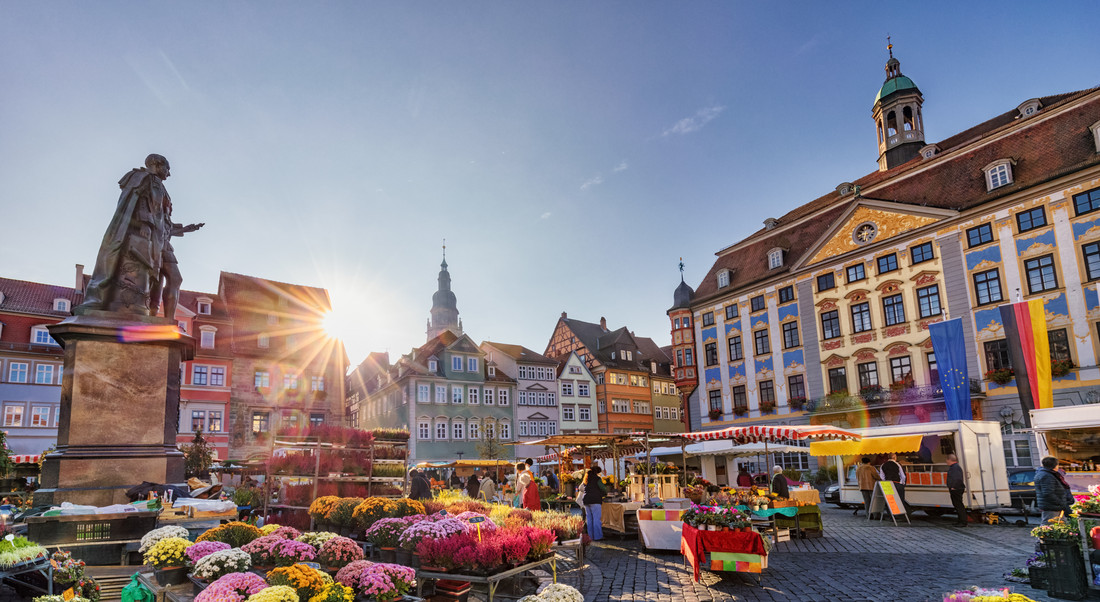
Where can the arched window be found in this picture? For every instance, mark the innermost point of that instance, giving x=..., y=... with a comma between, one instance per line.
x=458, y=429
x=891, y=123
x=474, y=433
x=424, y=428
x=907, y=119
x=441, y=428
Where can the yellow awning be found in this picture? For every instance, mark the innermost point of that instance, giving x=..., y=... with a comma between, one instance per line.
x=867, y=445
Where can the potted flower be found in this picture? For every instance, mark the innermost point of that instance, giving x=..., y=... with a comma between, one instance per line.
x=234, y=533
x=541, y=540
x=305, y=580
x=740, y=410
x=260, y=551
x=338, y=552
x=1001, y=376
x=234, y=586
x=1061, y=367
x=275, y=593
x=871, y=393
x=151, y=538
x=168, y=559
x=515, y=548
x=384, y=535
x=334, y=592
x=796, y=403
x=767, y=407
x=350, y=574
x=714, y=414
x=1088, y=504
x=316, y=539
x=203, y=549
x=402, y=577
x=221, y=563
x=490, y=556
x=289, y=552
x=341, y=515
x=437, y=555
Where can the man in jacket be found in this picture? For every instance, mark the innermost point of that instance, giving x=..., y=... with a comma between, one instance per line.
x=891, y=470
x=956, y=486
x=1052, y=493
x=867, y=476
x=419, y=488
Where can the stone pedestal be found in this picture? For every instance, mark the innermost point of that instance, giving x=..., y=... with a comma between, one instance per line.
x=119, y=408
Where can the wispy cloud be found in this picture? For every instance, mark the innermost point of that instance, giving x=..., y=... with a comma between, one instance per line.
x=596, y=181
x=694, y=123
x=545, y=215
x=622, y=166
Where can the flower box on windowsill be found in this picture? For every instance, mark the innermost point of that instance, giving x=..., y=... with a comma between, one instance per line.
x=715, y=414
x=740, y=411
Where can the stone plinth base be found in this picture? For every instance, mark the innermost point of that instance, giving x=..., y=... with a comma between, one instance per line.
x=119, y=408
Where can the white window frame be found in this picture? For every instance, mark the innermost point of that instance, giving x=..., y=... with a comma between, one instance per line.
x=775, y=258
x=441, y=394
x=502, y=397
x=43, y=374
x=522, y=428
x=204, y=306
x=458, y=429
x=582, y=390
x=492, y=370
x=41, y=336
x=433, y=366
x=551, y=399
x=316, y=383
x=196, y=370
x=472, y=397
x=206, y=336
x=541, y=398
x=723, y=278
x=424, y=429
x=264, y=378
x=567, y=413
x=442, y=425
x=290, y=382
x=471, y=364
x=505, y=430
x=456, y=394
x=60, y=304
x=584, y=413
x=36, y=413
x=423, y=393
x=567, y=388
x=521, y=399
x=473, y=429
x=13, y=415
x=456, y=363
x=487, y=396
x=998, y=174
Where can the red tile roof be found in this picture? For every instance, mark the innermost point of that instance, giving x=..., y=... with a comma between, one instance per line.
x=25, y=297
x=521, y=353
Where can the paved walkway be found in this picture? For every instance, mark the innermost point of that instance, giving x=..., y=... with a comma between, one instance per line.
x=857, y=560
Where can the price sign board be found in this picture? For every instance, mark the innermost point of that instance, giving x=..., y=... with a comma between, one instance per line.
x=886, y=498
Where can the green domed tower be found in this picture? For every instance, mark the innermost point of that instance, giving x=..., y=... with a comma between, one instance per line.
x=897, y=114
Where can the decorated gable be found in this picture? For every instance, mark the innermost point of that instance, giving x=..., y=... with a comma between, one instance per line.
x=869, y=223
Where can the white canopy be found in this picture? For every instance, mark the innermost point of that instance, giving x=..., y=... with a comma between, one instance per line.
x=725, y=447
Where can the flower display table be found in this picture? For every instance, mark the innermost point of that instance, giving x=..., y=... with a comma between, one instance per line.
x=490, y=581
x=660, y=529
x=42, y=566
x=614, y=515
x=723, y=550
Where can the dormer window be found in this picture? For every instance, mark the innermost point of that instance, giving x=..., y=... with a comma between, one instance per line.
x=998, y=173
x=1095, y=139
x=204, y=306
x=433, y=366
x=844, y=188
x=41, y=336
x=775, y=258
x=929, y=151
x=612, y=355
x=61, y=305
x=1029, y=107
x=723, y=278
x=492, y=370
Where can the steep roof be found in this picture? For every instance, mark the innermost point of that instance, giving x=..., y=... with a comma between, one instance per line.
x=308, y=298
x=21, y=296
x=1043, y=148
x=521, y=353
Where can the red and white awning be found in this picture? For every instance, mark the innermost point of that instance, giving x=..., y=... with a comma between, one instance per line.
x=774, y=434
x=554, y=456
x=26, y=459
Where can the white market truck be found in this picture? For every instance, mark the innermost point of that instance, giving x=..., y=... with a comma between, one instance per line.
x=922, y=450
x=1071, y=434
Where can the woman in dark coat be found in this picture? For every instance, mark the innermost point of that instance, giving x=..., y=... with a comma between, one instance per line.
x=594, y=492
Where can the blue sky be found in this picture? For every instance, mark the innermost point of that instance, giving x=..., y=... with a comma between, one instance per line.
x=569, y=152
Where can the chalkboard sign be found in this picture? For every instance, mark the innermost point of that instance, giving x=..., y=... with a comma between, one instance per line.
x=886, y=498
x=312, y=565
x=442, y=513
x=477, y=519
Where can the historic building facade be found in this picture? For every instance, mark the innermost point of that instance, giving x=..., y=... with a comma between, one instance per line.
x=288, y=372
x=536, y=403
x=206, y=382
x=451, y=395
x=823, y=314
x=577, y=392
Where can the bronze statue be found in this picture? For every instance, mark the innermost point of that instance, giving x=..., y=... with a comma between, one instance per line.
x=136, y=253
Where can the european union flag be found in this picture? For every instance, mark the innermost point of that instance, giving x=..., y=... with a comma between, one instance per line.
x=950, y=347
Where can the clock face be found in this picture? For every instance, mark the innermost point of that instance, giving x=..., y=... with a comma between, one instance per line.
x=864, y=233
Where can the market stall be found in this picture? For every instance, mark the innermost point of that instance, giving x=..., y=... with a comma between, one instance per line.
x=1071, y=434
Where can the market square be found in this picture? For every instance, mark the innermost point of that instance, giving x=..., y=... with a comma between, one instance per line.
x=877, y=378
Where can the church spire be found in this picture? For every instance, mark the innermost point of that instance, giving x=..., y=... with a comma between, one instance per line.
x=897, y=115
x=444, y=312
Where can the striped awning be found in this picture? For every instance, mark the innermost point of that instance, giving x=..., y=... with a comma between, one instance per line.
x=773, y=434
x=26, y=459
x=872, y=445
x=554, y=456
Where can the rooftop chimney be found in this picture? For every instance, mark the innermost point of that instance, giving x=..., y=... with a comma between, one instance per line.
x=603, y=323
x=79, y=278
x=563, y=315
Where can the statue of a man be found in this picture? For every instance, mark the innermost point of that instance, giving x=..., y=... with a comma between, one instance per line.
x=126, y=277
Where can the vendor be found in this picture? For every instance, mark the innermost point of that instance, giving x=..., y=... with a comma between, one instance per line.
x=779, y=483
x=744, y=479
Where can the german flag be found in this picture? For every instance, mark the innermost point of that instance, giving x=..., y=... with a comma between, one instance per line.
x=1025, y=326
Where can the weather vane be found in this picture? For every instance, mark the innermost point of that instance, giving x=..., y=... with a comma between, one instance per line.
x=889, y=46
x=444, y=249
x=681, y=268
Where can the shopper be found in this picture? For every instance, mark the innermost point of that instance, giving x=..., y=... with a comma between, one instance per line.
x=552, y=480
x=594, y=491
x=473, y=485
x=956, y=486
x=744, y=479
x=892, y=471
x=867, y=476
x=488, y=488
x=419, y=488
x=1052, y=493
x=780, y=487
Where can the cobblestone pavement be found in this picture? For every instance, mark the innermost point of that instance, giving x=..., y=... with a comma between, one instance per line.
x=856, y=560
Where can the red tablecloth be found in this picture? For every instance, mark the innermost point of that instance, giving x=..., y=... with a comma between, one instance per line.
x=694, y=544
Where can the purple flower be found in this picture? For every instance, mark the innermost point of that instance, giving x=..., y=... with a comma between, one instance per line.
x=203, y=549
x=234, y=587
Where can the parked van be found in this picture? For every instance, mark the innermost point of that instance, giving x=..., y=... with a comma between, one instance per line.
x=922, y=450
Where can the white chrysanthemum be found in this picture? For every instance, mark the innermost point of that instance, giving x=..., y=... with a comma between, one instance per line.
x=151, y=538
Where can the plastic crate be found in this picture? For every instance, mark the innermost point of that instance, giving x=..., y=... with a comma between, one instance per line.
x=90, y=528
x=1038, y=576
x=1066, y=566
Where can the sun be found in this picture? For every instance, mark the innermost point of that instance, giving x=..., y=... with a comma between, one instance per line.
x=337, y=325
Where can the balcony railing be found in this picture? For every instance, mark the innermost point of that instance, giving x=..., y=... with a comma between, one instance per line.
x=884, y=397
